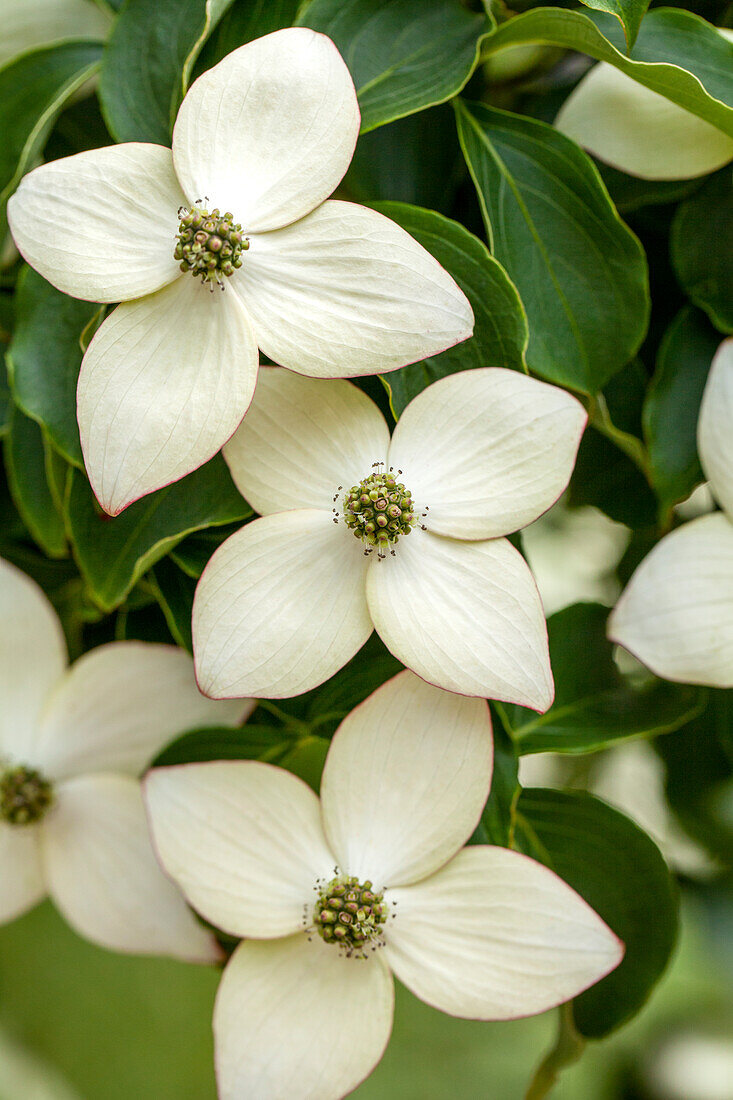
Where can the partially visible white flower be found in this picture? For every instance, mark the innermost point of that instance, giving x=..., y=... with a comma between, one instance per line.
x=640, y=131
x=629, y=776
x=72, y=745
x=30, y=24
x=334, y=898
x=676, y=613
x=326, y=288
x=573, y=554
x=291, y=597
x=691, y=1065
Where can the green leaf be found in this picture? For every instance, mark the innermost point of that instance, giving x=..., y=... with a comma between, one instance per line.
x=174, y=590
x=628, y=12
x=251, y=742
x=193, y=553
x=677, y=54
x=113, y=554
x=33, y=90
x=25, y=465
x=404, y=55
x=244, y=21
x=323, y=708
x=415, y=160
x=580, y=272
x=629, y=193
x=44, y=359
x=699, y=761
x=148, y=62
x=606, y=478
x=500, y=332
x=672, y=405
x=594, y=705
x=306, y=759
x=619, y=871
x=701, y=244
x=497, y=817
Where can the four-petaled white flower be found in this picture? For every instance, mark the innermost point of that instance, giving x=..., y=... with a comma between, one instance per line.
x=676, y=613
x=290, y=598
x=639, y=131
x=72, y=745
x=334, y=898
x=325, y=288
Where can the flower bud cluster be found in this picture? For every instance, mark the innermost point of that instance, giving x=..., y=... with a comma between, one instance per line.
x=209, y=244
x=350, y=913
x=379, y=510
x=24, y=796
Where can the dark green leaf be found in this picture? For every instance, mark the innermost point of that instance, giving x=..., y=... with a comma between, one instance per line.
x=33, y=89
x=25, y=464
x=500, y=332
x=193, y=553
x=404, y=55
x=580, y=272
x=323, y=708
x=44, y=359
x=244, y=21
x=497, y=818
x=251, y=742
x=174, y=591
x=415, y=160
x=673, y=405
x=306, y=760
x=699, y=760
x=606, y=478
x=631, y=193
x=676, y=54
x=628, y=12
x=594, y=705
x=701, y=244
x=113, y=554
x=147, y=64
x=621, y=874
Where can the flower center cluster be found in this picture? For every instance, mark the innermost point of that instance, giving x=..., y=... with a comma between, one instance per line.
x=350, y=913
x=379, y=509
x=24, y=796
x=210, y=245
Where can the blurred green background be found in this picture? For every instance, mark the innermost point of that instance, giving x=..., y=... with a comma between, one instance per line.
x=79, y=1023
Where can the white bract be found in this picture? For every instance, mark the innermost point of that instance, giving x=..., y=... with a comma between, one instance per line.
x=325, y=288
x=333, y=898
x=639, y=131
x=291, y=597
x=31, y=24
x=73, y=742
x=676, y=613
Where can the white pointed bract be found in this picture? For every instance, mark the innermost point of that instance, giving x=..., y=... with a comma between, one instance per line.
x=676, y=613
x=334, y=897
x=72, y=745
x=639, y=131
x=290, y=598
x=326, y=288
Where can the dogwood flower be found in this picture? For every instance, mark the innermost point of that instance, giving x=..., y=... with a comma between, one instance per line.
x=640, y=131
x=325, y=288
x=31, y=24
x=676, y=613
x=290, y=598
x=72, y=744
x=335, y=898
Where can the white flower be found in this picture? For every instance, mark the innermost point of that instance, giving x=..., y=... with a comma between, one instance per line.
x=30, y=24
x=290, y=598
x=676, y=613
x=305, y=1004
x=640, y=131
x=72, y=744
x=326, y=288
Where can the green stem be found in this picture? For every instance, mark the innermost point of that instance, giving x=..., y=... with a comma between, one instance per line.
x=633, y=448
x=568, y=1048
x=293, y=726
